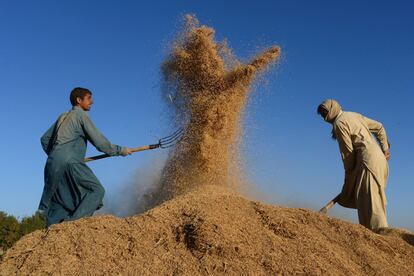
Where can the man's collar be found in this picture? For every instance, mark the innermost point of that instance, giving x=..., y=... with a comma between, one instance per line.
x=76, y=108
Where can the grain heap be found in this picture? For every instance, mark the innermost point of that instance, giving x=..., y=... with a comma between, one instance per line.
x=211, y=231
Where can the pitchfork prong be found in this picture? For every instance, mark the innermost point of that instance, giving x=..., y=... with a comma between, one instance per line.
x=172, y=137
x=171, y=140
x=177, y=132
x=168, y=145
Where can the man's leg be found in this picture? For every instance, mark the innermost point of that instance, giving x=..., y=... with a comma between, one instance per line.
x=371, y=210
x=55, y=213
x=91, y=189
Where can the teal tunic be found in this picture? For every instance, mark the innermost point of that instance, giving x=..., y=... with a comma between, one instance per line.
x=71, y=189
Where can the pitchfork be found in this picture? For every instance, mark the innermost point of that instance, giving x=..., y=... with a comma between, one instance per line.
x=324, y=210
x=163, y=143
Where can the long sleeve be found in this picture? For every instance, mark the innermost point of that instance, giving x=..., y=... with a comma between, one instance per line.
x=97, y=139
x=45, y=139
x=348, y=155
x=378, y=130
x=345, y=146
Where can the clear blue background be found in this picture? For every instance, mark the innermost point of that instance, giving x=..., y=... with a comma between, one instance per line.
x=358, y=52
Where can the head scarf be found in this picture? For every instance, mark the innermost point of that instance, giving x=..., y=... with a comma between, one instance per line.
x=333, y=109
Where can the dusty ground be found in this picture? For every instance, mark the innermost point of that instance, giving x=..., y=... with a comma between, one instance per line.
x=211, y=231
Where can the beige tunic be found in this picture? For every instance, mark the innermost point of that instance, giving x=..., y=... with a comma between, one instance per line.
x=366, y=169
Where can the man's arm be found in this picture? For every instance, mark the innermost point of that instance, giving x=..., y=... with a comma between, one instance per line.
x=378, y=130
x=45, y=139
x=98, y=140
x=348, y=158
x=345, y=146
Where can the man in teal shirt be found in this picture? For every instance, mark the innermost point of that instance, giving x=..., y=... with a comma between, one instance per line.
x=71, y=189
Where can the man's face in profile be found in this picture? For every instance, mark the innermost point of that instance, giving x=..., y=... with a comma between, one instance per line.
x=324, y=113
x=86, y=102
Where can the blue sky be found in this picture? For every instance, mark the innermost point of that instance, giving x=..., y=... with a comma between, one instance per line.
x=358, y=52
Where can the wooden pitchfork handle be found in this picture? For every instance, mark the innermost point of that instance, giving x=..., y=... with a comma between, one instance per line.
x=324, y=210
x=97, y=157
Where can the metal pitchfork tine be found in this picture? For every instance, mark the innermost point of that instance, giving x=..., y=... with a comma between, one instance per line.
x=171, y=140
x=163, y=143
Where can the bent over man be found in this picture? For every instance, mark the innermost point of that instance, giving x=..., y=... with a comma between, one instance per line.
x=71, y=189
x=364, y=160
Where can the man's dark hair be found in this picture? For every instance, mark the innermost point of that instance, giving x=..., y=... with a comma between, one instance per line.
x=78, y=92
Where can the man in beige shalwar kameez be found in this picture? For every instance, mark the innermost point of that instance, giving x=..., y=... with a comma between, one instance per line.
x=365, y=163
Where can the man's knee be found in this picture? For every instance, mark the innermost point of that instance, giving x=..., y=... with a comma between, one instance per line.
x=100, y=191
